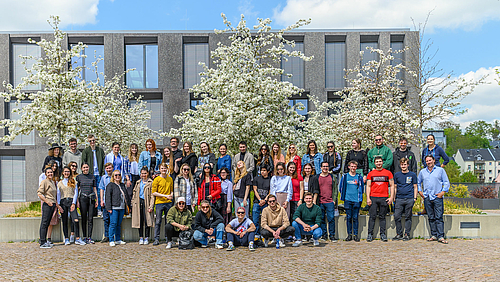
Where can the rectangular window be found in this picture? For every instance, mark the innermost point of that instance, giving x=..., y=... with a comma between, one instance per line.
x=156, y=121
x=398, y=57
x=22, y=139
x=194, y=103
x=368, y=41
x=18, y=69
x=304, y=109
x=143, y=58
x=335, y=64
x=293, y=66
x=468, y=167
x=490, y=172
x=12, y=179
x=93, y=52
x=194, y=53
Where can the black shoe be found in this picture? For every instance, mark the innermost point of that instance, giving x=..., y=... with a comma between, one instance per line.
x=369, y=238
x=383, y=237
x=333, y=239
x=397, y=238
x=105, y=240
x=324, y=237
x=156, y=242
x=356, y=238
x=406, y=237
x=349, y=238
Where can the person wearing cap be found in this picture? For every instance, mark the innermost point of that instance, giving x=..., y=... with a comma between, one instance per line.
x=240, y=231
x=55, y=153
x=179, y=219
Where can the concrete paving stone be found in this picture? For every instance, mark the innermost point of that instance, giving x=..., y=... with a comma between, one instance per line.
x=416, y=260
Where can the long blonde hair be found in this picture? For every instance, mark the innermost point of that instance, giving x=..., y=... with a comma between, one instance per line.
x=278, y=154
x=131, y=156
x=190, y=174
x=170, y=160
x=289, y=157
x=239, y=174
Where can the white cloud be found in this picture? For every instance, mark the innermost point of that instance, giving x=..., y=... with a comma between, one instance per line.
x=464, y=14
x=32, y=15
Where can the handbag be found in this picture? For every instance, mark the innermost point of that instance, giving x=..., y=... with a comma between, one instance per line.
x=55, y=217
x=127, y=208
x=186, y=240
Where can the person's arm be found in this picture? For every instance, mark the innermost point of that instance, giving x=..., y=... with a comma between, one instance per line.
x=256, y=194
x=301, y=193
x=141, y=160
x=347, y=160
x=75, y=197
x=247, y=191
x=251, y=167
x=419, y=184
x=58, y=196
x=446, y=184
x=336, y=169
x=389, y=159
x=286, y=221
x=273, y=187
x=229, y=195
x=392, y=191
x=445, y=157
x=290, y=189
x=413, y=163
x=109, y=195
x=371, y=164
x=263, y=221
x=218, y=188
x=211, y=160
x=251, y=228
x=415, y=192
x=318, y=220
x=229, y=229
x=368, y=190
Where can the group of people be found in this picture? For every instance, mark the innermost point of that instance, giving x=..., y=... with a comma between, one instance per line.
x=292, y=196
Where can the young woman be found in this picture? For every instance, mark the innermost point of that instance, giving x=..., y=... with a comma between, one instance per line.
x=241, y=188
x=150, y=158
x=73, y=166
x=179, y=218
x=116, y=203
x=281, y=187
x=207, y=223
x=291, y=156
x=206, y=156
x=55, y=216
x=168, y=158
x=88, y=191
x=277, y=155
x=358, y=155
x=188, y=157
x=67, y=196
x=298, y=186
x=265, y=158
x=210, y=188
x=240, y=231
x=47, y=192
x=185, y=186
x=143, y=203
x=434, y=150
x=307, y=173
x=226, y=194
x=334, y=161
x=313, y=157
x=132, y=166
x=55, y=154
x=224, y=161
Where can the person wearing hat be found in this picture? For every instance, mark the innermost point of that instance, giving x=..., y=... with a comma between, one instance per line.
x=55, y=153
x=179, y=219
x=240, y=231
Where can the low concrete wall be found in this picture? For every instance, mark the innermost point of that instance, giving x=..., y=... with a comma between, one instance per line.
x=460, y=226
x=482, y=204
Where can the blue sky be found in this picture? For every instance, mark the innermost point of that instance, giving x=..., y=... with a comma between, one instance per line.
x=464, y=32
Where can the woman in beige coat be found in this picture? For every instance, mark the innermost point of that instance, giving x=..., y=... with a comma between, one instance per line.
x=142, y=206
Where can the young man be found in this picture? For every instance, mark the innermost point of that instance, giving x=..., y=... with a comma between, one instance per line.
x=102, y=191
x=351, y=188
x=382, y=151
x=94, y=156
x=73, y=155
x=324, y=189
x=403, y=151
x=176, y=153
x=245, y=156
x=240, y=231
x=377, y=197
x=164, y=192
x=261, y=187
x=307, y=221
x=432, y=184
x=275, y=222
x=405, y=184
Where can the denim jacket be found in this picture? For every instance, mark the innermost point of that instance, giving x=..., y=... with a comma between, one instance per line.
x=145, y=160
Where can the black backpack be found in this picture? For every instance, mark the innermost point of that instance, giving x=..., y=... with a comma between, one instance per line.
x=186, y=240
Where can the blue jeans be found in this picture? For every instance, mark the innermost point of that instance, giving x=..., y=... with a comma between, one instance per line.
x=105, y=219
x=329, y=210
x=435, y=210
x=202, y=236
x=257, y=210
x=237, y=241
x=115, y=227
x=352, y=212
x=160, y=210
x=97, y=180
x=299, y=231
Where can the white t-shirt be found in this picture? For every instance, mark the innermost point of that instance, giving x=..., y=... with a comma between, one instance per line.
x=246, y=224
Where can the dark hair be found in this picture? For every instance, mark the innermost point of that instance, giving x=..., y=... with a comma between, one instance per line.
x=325, y=162
x=266, y=167
x=294, y=175
x=114, y=144
x=223, y=144
x=84, y=163
x=352, y=162
x=270, y=196
x=313, y=171
x=225, y=169
x=403, y=160
x=432, y=136
x=280, y=164
x=90, y=136
x=308, y=194
x=330, y=142
x=378, y=158
x=175, y=138
x=261, y=156
x=72, y=140
x=315, y=146
x=47, y=168
x=429, y=156
x=403, y=139
x=243, y=143
x=145, y=168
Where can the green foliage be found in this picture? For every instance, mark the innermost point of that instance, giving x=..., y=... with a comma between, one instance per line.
x=453, y=171
x=452, y=207
x=456, y=140
x=33, y=209
x=458, y=191
x=481, y=128
x=468, y=177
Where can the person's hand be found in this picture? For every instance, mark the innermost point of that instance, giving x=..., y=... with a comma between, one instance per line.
x=78, y=204
x=242, y=234
x=209, y=197
x=245, y=203
x=60, y=209
x=443, y=165
x=209, y=231
x=440, y=194
x=228, y=210
x=364, y=179
x=102, y=203
x=110, y=211
x=50, y=204
x=150, y=210
x=285, y=204
x=72, y=208
x=129, y=183
x=218, y=171
x=262, y=202
x=169, y=197
x=312, y=228
x=389, y=200
x=95, y=204
x=368, y=202
x=299, y=203
x=178, y=159
x=276, y=234
x=306, y=227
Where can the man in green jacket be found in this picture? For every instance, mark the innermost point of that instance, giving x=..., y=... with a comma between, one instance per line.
x=179, y=218
x=307, y=221
x=380, y=150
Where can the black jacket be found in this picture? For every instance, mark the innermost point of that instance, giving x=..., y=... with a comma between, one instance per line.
x=201, y=222
x=191, y=160
x=361, y=157
x=114, y=197
x=336, y=158
x=48, y=159
x=398, y=154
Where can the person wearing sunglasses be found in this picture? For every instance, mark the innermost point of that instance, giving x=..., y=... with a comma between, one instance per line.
x=291, y=156
x=208, y=222
x=164, y=193
x=380, y=150
x=264, y=159
x=142, y=206
x=210, y=188
x=275, y=223
x=240, y=231
x=117, y=201
x=179, y=218
x=185, y=186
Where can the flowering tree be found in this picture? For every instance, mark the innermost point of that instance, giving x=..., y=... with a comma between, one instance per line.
x=243, y=99
x=372, y=103
x=68, y=106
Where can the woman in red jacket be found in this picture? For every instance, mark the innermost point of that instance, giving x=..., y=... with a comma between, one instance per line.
x=210, y=188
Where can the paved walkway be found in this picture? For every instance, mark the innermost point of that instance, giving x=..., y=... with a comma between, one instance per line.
x=416, y=260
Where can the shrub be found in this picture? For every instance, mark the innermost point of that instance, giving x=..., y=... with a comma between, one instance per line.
x=451, y=207
x=485, y=192
x=458, y=191
x=32, y=209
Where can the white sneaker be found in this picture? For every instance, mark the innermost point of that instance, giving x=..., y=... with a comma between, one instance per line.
x=141, y=241
x=99, y=213
x=282, y=243
x=120, y=242
x=80, y=242
x=169, y=245
x=266, y=243
x=217, y=246
x=112, y=244
x=66, y=241
x=146, y=241
x=316, y=242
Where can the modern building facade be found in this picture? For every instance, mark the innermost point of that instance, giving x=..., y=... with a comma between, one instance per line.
x=166, y=66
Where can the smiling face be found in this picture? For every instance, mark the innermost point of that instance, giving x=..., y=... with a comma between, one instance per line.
x=331, y=147
x=324, y=167
x=166, y=152
x=355, y=145
x=204, y=148
x=116, y=149
x=312, y=147
x=240, y=213
x=308, y=199
x=275, y=148
x=240, y=165
x=117, y=176
x=307, y=169
x=223, y=174
x=292, y=149
x=243, y=148
x=134, y=149
x=72, y=145
x=429, y=162
x=85, y=169
x=430, y=140
x=144, y=175
x=222, y=150
x=403, y=144
x=204, y=207
x=280, y=170
x=56, y=152
x=109, y=169
x=379, y=140
x=379, y=163
x=291, y=168
x=186, y=148
x=264, y=172
x=66, y=172
x=353, y=167
x=49, y=173
x=149, y=146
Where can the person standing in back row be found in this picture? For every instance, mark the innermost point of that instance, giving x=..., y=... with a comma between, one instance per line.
x=94, y=156
x=403, y=151
x=244, y=156
x=382, y=151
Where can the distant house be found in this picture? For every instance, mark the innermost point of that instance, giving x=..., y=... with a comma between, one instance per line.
x=484, y=163
x=495, y=144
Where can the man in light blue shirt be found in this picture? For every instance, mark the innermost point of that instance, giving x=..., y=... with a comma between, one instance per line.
x=432, y=184
x=105, y=179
